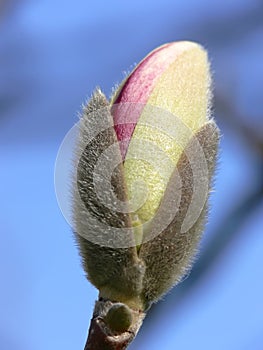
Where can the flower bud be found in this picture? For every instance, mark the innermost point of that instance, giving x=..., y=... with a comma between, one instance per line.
x=168, y=95
x=144, y=164
x=119, y=318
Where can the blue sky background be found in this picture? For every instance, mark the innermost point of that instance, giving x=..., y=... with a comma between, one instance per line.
x=52, y=55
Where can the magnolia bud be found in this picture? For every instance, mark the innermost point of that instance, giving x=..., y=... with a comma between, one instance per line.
x=142, y=175
x=119, y=318
x=144, y=167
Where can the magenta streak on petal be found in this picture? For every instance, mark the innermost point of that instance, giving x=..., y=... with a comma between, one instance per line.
x=136, y=90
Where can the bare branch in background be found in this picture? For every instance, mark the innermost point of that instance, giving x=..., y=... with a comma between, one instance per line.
x=226, y=30
x=230, y=115
x=8, y=6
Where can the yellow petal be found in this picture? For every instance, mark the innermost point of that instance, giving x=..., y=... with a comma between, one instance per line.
x=177, y=107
